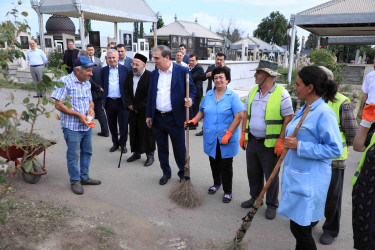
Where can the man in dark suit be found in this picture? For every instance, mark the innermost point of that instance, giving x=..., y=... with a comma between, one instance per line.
x=113, y=78
x=197, y=74
x=182, y=48
x=96, y=91
x=219, y=62
x=122, y=58
x=165, y=112
x=142, y=139
x=70, y=55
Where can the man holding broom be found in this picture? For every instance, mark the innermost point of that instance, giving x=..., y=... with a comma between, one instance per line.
x=268, y=109
x=165, y=112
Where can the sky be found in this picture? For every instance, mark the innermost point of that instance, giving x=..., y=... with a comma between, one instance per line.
x=244, y=14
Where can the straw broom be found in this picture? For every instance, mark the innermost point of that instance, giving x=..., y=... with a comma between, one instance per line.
x=246, y=221
x=185, y=194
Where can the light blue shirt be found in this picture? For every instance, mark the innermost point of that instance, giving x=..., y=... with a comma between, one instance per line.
x=307, y=169
x=122, y=62
x=114, y=86
x=79, y=95
x=36, y=57
x=218, y=116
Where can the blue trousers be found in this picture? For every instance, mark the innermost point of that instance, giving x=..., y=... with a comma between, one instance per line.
x=79, y=150
x=164, y=126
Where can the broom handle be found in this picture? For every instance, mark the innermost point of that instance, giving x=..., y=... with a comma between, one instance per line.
x=280, y=161
x=187, y=117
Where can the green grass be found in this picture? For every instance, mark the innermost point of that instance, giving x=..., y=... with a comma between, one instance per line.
x=105, y=230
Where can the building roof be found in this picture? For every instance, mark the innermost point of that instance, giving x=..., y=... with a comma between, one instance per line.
x=116, y=11
x=184, y=28
x=342, y=6
x=263, y=46
x=339, y=18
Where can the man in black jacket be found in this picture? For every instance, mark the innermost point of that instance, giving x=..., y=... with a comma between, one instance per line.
x=142, y=139
x=197, y=73
x=70, y=55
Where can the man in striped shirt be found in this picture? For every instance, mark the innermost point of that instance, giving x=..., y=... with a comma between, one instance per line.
x=75, y=121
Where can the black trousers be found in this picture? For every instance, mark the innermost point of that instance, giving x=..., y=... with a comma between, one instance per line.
x=100, y=115
x=303, y=236
x=260, y=163
x=116, y=113
x=222, y=170
x=332, y=210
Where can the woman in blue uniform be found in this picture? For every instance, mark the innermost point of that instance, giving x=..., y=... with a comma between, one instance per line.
x=222, y=112
x=307, y=166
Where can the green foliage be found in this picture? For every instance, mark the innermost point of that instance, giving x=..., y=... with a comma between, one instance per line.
x=55, y=59
x=159, y=25
x=324, y=57
x=312, y=41
x=273, y=29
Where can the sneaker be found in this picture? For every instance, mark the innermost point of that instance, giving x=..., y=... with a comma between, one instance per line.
x=326, y=239
x=270, y=213
x=90, y=181
x=249, y=203
x=227, y=198
x=77, y=188
x=213, y=189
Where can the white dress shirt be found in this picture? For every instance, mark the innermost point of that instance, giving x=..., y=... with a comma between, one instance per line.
x=368, y=87
x=113, y=86
x=163, y=95
x=121, y=62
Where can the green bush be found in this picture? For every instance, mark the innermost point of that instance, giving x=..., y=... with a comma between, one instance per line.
x=55, y=59
x=323, y=57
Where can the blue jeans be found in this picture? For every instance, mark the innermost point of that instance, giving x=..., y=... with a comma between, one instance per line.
x=79, y=148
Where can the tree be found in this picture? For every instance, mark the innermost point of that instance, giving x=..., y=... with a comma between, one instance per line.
x=141, y=31
x=273, y=29
x=87, y=25
x=135, y=32
x=159, y=25
x=230, y=31
x=311, y=42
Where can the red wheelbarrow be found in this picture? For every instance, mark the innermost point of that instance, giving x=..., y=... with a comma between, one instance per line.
x=12, y=153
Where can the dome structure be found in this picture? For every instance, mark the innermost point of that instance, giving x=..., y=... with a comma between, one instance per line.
x=56, y=25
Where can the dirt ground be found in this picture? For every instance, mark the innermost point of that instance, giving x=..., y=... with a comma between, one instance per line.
x=32, y=223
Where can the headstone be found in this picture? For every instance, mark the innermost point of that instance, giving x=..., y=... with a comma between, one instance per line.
x=357, y=57
x=24, y=38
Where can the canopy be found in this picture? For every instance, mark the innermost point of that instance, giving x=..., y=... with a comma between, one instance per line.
x=337, y=18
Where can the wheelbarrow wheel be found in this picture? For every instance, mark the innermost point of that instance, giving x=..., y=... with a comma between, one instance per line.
x=32, y=178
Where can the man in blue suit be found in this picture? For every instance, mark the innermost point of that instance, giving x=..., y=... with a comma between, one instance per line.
x=182, y=48
x=112, y=79
x=165, y=112
x=122, y=58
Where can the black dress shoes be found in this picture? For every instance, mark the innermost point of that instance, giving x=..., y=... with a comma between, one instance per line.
x=135, y=156
x=113, y=149
x=199, y=134
x=103, y=134
x=124, y=150
x=164, y=179
x=149, y=161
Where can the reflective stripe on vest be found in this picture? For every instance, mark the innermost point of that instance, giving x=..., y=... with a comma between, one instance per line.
x=274, y=120
x=358, y=172
x=340, y=98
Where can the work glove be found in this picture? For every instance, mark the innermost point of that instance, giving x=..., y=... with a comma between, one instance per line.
x=279, y=147
x=191, y=123
x=368, y=116
x=226, y=137
x=243, y=141
x=91, y=124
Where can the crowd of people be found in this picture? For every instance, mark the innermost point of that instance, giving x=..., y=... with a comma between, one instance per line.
x=150, y=106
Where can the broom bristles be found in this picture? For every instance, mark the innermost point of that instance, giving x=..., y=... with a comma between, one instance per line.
x=185, y=195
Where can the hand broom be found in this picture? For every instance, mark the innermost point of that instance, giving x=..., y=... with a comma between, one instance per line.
x=185, y=194
x=246, y=221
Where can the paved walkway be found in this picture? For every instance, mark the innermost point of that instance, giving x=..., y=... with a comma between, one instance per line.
x=135, y=189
